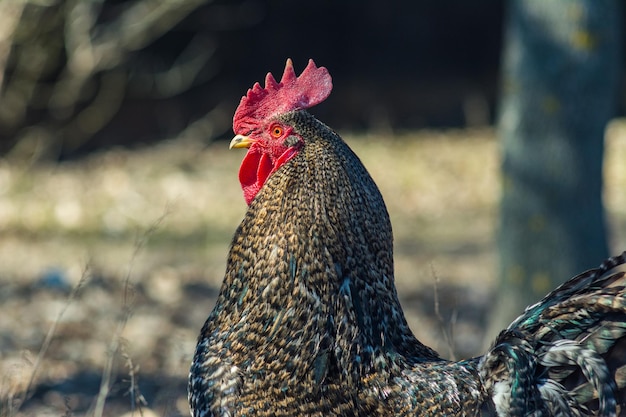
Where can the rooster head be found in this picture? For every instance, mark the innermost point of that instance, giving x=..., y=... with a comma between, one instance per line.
x=257, y=126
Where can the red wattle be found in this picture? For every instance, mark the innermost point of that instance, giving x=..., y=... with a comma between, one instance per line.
x=265, y=168
x=257, y=166
x=248, y=173
x=286, y=156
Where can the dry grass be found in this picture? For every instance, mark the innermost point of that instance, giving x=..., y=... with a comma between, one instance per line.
x=153, y=227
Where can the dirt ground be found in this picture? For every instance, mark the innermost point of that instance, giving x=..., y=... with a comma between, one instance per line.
x=110, y=265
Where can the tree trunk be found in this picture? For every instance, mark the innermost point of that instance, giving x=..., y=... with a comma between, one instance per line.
x=559, y=90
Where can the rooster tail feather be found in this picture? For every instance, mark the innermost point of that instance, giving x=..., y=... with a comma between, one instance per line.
x=571, y=346
x=593, y=367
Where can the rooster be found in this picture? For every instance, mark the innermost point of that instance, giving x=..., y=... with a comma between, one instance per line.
x=308, y=322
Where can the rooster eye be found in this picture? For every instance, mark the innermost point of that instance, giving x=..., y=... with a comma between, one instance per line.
x=277, y=131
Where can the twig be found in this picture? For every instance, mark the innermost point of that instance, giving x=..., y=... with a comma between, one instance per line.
x=136, y=398
x=446, y=328
x=48, y=339
x=68, y=407
x=128, y=299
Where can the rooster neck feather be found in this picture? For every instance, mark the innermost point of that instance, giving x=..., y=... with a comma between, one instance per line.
x=296, y=265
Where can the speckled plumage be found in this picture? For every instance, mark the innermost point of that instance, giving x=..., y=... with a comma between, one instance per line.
x=308, y=322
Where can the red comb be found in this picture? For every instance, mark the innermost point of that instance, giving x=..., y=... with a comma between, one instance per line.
x=292, y=93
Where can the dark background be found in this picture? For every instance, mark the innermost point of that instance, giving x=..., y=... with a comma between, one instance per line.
x=403, y=64
x=396, y=66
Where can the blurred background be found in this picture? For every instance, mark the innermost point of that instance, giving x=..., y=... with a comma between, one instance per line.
x=118, y=196
x=78, y=76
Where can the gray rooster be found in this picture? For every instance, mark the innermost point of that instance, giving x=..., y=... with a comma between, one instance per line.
x=308, y=322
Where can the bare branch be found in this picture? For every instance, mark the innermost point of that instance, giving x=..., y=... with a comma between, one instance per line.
x=66, y=62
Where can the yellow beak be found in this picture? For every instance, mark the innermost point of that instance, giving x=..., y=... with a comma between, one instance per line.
x=240, y=141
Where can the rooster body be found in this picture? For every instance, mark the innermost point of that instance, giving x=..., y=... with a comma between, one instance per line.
x=308, y=322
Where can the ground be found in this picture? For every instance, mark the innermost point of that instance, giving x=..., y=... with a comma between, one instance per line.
x=110, y=264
